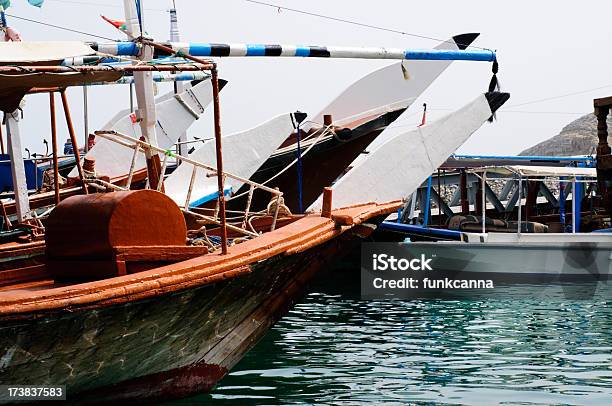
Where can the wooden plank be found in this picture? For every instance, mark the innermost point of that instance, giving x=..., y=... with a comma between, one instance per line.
x=159, y=253
x=603, y=102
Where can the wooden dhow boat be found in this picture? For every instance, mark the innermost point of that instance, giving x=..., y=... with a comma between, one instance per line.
x=128, y=310
x=126, y=304
x=178, y=319
x=169, y=319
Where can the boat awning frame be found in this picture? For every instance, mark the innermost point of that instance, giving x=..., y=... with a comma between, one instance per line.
x=17, y=81
x=525, y=171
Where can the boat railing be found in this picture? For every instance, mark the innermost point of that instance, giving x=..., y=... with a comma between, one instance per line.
x=141, y=147
x=524, y=174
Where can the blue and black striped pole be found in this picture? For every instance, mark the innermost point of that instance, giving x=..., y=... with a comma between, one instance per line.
x=259, y=50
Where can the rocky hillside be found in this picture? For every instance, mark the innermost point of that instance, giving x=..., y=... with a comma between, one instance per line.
x=577, y=138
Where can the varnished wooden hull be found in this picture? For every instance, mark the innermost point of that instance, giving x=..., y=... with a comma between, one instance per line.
x=171, y=346
x=164, y=346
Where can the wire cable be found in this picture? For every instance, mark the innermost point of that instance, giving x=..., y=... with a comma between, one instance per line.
x=572, y=113
x=89, y=3
x=520, y=111
x=559, y=96
x=357, y=23
x=59, y=27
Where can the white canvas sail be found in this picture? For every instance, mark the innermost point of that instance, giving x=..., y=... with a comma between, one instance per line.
x=243, y=154
x=401, y=164
x=390, y=88
x=387, y=89
x=18, y=52
x=175, y=114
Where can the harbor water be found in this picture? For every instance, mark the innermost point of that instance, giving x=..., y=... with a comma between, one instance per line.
x=519, y=345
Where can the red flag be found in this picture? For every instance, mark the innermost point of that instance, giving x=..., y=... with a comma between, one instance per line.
x=424, y=119
x=118, y=24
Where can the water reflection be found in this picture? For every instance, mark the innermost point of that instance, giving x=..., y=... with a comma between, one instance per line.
x=526, y=344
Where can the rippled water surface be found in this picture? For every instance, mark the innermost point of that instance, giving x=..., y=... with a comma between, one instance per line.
x=522, y=345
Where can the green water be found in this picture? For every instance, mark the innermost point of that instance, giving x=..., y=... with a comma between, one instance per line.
x=520, y=345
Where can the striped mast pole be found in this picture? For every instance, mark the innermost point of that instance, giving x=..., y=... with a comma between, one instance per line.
x=197, y=49
x=143, y=84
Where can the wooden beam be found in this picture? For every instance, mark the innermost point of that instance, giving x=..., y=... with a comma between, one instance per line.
x=54, y=145
x=75, y=146
x=220, y=175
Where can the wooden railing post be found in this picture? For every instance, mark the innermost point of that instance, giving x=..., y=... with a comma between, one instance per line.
x=73, y=140
x=326, y=208
x=220, y=177
x=54, y=146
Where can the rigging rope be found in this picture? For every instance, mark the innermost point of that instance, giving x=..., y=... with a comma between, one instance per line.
x=139, y=14
x=299, y=168
x=60, y=27
x=94, y=4
x=357, y=23
x=326, y=131
x=560, y=96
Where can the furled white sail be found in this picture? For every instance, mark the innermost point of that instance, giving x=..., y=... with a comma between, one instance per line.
x=397, y=167
x=175, y=114
x=17, y=53
x=243, y=154
x=390, y=88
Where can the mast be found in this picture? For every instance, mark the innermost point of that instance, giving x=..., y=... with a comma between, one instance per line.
x=174, y=30
x=143, y=84
x=179, y=87
x=13, y=139
x=20, y=186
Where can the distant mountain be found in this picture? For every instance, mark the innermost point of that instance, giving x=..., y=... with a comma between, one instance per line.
x=577, y=138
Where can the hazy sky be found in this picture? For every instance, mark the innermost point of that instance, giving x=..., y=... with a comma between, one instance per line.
x=545, y=49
